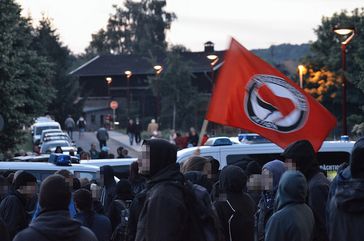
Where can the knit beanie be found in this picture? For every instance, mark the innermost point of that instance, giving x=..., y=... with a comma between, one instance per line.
x=55, y=193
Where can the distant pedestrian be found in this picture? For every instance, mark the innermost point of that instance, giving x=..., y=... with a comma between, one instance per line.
x=130, y=131
x=81, y=123
x=235, y=208
x=346, y=207
x=69, y=123
x=138, y=130
x=293, y=219
x=100, y=225
x=302, y=155
x=102, y=136
x=152, y=128
x=193, y=137
x=181, y=141
x=54, y=221
x=13, y=206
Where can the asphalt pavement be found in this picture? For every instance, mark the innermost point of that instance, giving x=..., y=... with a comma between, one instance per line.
x=116, y=139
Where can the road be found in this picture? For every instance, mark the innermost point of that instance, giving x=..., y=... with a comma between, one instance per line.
x=87, y=138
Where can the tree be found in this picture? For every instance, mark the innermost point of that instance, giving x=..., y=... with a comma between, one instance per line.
x=48, y=44
x=25, y=88
x=326, y=57
x=136, y=28
x=177, y=92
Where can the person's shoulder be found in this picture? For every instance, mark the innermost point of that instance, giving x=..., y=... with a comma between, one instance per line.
x=102, y=218
x=28, y=234
x=86, y=234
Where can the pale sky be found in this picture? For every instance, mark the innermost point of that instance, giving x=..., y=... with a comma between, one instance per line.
x=254, y=23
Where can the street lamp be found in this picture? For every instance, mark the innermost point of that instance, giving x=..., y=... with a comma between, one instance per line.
x=345, y=34
x=108, y=81
x=128, y=74
x=301, y=70
x=158, y=70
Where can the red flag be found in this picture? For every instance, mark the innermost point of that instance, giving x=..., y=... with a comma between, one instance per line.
x=251, y=94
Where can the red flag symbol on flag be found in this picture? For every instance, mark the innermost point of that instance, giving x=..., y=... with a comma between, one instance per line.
x=252, y=95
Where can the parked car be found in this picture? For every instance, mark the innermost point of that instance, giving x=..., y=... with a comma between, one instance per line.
x=119, y=165
x=45, y=132
x=330, y=155
x=56, y=136
x=50, y=146
x=38, y=127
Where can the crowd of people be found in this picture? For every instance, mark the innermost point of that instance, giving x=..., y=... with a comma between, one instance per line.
x=288, y=199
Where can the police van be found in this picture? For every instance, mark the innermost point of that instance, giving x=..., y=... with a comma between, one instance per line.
x=330, y=155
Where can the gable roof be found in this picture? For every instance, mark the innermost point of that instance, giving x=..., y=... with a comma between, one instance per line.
x=116, y=64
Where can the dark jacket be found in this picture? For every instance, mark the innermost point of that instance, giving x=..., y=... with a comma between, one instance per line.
x=238, y=209
x=108, y=191
x=99, y=224
x=292, y=220
x=318, y=185
x=164, y=214
x=4, y=234
x=12, y=211
x=346, y=209
x=102, y=134
x=55, y=226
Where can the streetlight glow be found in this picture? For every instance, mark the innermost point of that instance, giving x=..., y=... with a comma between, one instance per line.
x=345, y=34
x=108, y=80
x=158, y=69
x=128, y=73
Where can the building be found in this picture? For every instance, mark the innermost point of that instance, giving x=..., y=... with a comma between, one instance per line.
x=126, y=79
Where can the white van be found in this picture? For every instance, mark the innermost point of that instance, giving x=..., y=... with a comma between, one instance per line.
x=38, y=127
x=330, y=155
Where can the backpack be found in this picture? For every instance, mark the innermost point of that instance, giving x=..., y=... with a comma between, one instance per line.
x=81, y=124
x=202, y=224
x=120, y=231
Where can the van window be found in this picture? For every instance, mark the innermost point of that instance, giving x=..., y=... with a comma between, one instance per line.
x=89, y=175
x=330, y=161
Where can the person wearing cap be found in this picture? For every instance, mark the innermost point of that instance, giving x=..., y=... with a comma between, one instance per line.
x=54, y=221
x=300, y=155
x=13, y=207
x=346, y=207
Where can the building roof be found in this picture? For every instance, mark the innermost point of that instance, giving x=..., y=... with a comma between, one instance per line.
x=116, y=64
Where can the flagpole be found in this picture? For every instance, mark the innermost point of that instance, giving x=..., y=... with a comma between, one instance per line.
x=203, y=131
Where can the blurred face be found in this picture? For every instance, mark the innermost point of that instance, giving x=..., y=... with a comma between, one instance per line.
x=28, y=190
x=267, y=180
x=207, y=170
x=255, y=182
x=144, y=160
x=290, y=164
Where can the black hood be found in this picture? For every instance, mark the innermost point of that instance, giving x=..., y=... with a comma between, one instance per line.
x=57, y=225
x=350, y=196
x=197, y=177
x=162, y=154
x=232, y=179
x=303, y=155
x=108, y=174
x=357, y=159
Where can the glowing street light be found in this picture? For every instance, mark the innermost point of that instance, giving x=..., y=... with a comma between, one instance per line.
x=346, y=34
x=128, y=74
x=158, y=70
x=108, y=81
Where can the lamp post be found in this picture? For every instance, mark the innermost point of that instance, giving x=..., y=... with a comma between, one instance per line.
x=301, y=69
x=158, y=70
x=108, y=81
x=213, y=60
x=128, y=74
x=345, y=34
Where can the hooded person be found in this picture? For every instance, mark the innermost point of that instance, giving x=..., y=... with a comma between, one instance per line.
x=302, y=155
x=13, y=206
x=292, y=219
x=346, y=207
x=271, y=174
x=237, y=209
x=164, y=213
x=54, y=222
x=108, y=191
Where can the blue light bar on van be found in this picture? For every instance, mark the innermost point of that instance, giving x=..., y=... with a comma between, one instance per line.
x=60, y=159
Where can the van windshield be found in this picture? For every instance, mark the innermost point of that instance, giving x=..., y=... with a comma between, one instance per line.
x=39, y=129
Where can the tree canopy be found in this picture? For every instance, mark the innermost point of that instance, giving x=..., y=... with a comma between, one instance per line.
x=25, y=86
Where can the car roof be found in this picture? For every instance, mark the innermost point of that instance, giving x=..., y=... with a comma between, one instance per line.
x=46, y=123
x=110, y=162
x=46, y=166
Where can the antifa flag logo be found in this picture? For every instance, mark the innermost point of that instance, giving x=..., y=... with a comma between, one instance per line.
x=274, y=104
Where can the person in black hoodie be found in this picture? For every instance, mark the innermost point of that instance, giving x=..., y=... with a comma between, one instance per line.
x=164, y=214
x=108, y=191
x=13, y=207
x=236, y=212
x=302, y=155
x=54, y=222
x=99, y=224
x=346, y=208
